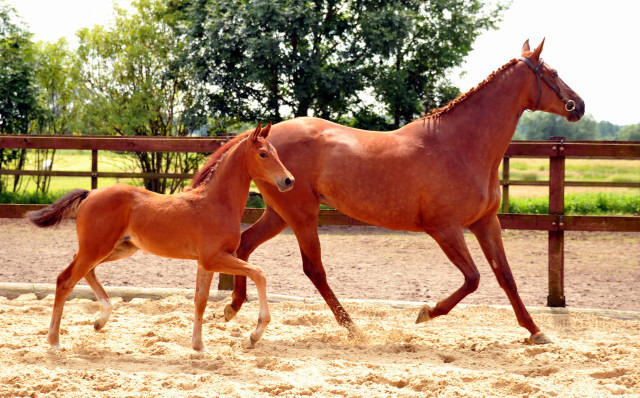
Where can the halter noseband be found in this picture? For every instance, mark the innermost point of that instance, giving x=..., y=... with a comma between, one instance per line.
x=569, y=105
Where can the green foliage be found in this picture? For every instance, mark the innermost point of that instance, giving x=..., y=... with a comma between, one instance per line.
x=33, y=197
x=133, y=84
x=542, y=125
x=630, y=133
x=608, y=131
x=18, y=92
x=590, y=203
x=275, y=59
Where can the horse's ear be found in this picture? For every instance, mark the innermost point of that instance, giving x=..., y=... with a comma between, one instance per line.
x=537, y=51
x=265, y=131
x=525, y=48
x=256, y=133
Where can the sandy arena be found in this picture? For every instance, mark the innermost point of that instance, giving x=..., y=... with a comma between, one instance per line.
x=476, y=351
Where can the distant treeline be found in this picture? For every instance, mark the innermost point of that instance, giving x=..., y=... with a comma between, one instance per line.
x=541, y=126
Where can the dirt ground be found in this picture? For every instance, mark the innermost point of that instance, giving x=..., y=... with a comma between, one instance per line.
x=475, y=351
x=602, y=270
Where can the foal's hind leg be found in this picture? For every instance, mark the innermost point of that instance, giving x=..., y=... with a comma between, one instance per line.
x=65, y=283
x=124, y=249
x=451, y=241
x=268, y=225
x=489, y=235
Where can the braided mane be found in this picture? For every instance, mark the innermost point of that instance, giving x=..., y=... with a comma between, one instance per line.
x=209, y=167
x=447, y=108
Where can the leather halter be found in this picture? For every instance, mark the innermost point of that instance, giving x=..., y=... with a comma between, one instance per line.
x=569, y=105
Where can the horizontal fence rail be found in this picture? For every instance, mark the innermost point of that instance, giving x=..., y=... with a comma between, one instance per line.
x=556, y=149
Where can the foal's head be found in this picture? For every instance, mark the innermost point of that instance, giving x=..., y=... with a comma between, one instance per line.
x=551, y=94
x=263, y=161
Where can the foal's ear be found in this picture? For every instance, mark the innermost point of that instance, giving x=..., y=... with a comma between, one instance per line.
x=265, y=131
x=525, y=48
x=256, y=133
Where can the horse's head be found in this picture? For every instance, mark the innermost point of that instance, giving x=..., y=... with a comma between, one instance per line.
x=550, y=93
x=263, y=161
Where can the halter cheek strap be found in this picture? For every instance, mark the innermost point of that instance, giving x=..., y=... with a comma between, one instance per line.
x=569, y=105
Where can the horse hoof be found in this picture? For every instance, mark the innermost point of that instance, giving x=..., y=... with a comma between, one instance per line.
x=253, y=339
x=229, y=313
x=356, y=336
x=199, y=349
x=423, y=315
x=97, y=325
x=539, y=338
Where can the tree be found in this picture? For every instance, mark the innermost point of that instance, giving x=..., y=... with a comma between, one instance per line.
x=414, y=45
x=275, y=59
x=56, y=78
x=608, y=130
x=541, y=126
x=132, y=85
x=18, y=93
x=629, y=133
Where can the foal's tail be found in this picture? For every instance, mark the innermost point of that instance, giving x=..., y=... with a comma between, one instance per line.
x=65, y=207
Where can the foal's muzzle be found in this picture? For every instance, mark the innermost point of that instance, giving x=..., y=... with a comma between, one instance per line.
x=285, y=184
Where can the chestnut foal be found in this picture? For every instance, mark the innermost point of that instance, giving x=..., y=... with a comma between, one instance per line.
x=202, y=224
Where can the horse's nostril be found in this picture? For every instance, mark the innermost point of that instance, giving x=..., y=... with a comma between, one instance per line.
x=288, y=181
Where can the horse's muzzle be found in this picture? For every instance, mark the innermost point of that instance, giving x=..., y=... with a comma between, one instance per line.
x=285, y=184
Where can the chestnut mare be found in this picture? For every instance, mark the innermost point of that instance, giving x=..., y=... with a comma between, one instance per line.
x=438, y=174
x=202, y=224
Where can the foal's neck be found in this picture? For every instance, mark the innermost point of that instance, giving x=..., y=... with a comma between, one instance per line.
x=230, y=183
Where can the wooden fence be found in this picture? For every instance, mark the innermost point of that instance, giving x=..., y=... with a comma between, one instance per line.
x=556, y=149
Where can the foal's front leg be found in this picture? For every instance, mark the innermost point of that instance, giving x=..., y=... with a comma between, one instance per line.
x=226, y=262
x=203, y=284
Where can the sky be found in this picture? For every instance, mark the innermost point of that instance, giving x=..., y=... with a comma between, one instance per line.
x=592, y=44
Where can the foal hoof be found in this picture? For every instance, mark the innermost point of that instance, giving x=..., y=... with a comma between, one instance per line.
x=539, y=338
x=229, y=313
x=423, y=315
x=253, y=338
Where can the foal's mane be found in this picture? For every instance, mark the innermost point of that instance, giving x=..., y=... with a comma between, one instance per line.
x=452, y=104
x=209, y=167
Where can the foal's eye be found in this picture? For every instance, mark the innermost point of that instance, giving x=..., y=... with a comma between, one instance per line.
x=263, y=155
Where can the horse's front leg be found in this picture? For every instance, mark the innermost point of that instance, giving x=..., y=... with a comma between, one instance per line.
x=203, y=284
x=451, y=241
x=489, y=235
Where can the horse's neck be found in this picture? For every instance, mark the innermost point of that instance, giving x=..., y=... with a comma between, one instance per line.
x=230, y=183
x=485, y=122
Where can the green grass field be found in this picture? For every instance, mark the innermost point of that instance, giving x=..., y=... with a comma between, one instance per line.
x=522, y=199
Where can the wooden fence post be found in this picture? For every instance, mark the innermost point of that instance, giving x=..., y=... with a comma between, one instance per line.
x=556, y=237
x=94, y=169
x=225, y=282
x=505, y=185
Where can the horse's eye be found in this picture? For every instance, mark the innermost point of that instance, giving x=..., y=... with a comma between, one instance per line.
x=554, y=75
x=263, y=155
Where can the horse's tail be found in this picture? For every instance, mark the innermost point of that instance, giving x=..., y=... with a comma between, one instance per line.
x=65, y=207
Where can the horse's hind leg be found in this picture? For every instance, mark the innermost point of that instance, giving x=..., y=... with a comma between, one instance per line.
x=451, y=241
x=268, y=225
x=124, y=249
x=489, y=235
